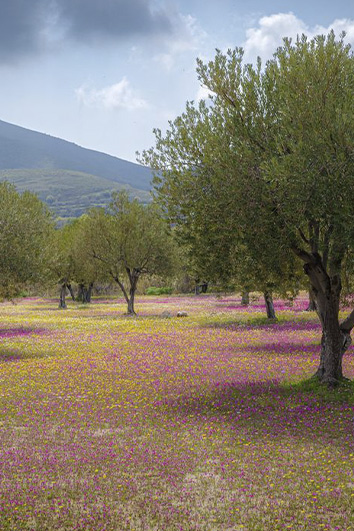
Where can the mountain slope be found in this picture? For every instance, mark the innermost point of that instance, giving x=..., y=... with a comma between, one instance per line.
x=69, y=193
x=23, y=148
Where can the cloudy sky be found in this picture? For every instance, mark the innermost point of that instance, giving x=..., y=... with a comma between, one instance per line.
x=104, y=73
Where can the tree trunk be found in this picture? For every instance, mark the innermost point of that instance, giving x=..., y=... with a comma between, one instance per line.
x=131, y=310
x=268, y=299
x=326, y=289
x=62, y=302
x=85, y=293
x=81, y=293
x=312, y=303
x=89, y=293
x=133, y=276
x=334, y=342
x=71, y=291
x=204, y=287
x=245, y=299
x=133, y=279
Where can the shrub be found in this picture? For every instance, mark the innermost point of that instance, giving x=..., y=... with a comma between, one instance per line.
x=158, y=291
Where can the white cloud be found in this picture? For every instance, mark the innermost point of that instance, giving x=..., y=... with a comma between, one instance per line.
x=263, y=40
x=188, y=37
x=203, y=93
x=117, y=96
x=166, y=60
x=340, y=25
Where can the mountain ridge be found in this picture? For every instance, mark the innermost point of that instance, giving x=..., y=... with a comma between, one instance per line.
x=24, y=148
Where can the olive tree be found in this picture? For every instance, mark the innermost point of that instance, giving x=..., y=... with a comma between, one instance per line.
x=72, y=264
x=129, y=240
x=62, y=263
x=278, y=139
x=25, y=236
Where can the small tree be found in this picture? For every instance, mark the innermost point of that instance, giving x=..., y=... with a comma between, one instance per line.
x=61, y=263
x=25, y=235
x=129, y=240
x=86, y=269
x=71, y=263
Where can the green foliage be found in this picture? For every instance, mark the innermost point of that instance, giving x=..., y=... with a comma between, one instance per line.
x=291, y=127
x=25, y=235
x=153, y=290
x=130, y=240
x=69, y=193
x=266, y=166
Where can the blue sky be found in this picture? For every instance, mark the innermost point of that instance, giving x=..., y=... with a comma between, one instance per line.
x=104, y=73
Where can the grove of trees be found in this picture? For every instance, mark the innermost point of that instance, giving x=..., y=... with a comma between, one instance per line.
x=255, y=184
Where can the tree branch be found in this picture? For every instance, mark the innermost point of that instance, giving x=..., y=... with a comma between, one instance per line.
x=304, y=255
x=303, y=237
x=348, y=323
x=121, y=285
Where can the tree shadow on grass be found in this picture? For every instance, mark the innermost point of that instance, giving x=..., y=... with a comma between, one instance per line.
x=286, y=349
x=15, y=354
x=9, y=354
x=268, y=409
x=263, y=323
x=20, y=332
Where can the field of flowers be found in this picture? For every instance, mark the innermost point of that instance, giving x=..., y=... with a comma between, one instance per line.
x=159, y=423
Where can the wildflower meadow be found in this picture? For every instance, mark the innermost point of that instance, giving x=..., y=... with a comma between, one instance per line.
x=159, y=423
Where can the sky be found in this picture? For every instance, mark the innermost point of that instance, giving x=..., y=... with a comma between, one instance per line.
x=105, y=73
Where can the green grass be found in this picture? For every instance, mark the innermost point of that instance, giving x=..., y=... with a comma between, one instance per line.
x=343, y=393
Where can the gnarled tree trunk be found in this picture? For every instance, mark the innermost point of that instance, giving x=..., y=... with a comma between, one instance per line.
x=81, y=293
x=71, y=291
x=89, y=293
x=85, y=293
x=335, y=339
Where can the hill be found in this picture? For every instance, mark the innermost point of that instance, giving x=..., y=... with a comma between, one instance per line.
x=68, y=177
x=69, y=193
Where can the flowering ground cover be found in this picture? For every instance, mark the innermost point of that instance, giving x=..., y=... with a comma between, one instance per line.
x=170, y=424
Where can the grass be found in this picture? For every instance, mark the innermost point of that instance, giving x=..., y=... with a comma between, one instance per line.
x=344, y=393
x=207, y=423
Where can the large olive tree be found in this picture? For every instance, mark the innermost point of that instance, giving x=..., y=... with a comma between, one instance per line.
x=277, y=141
